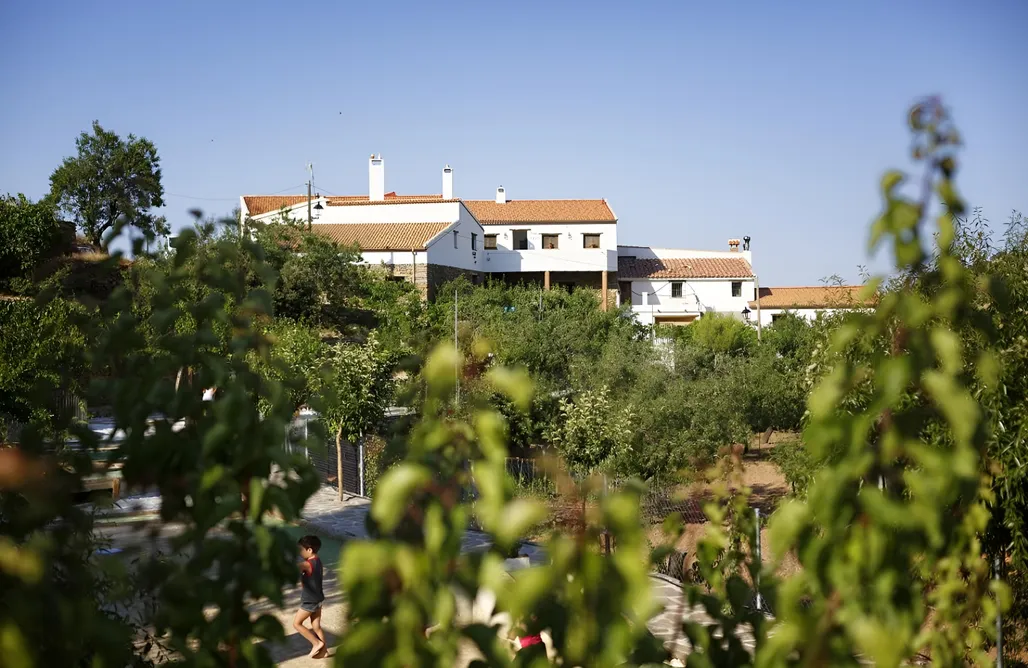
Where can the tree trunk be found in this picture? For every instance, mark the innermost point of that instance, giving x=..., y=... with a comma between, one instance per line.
x=339, y=460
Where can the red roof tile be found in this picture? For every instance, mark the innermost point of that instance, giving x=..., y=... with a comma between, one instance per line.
x=488, y=212
x=817, y=296
x=689, y=267
x=381, y=236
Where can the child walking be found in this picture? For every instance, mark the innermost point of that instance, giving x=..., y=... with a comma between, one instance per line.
x=311, y=595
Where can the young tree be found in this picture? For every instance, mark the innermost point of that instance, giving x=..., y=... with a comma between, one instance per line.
x=111, y=181
x=592, y=432
x=356, y=388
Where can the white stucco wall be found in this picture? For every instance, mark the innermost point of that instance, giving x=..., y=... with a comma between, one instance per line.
x=652, y=298
x=810, y=314
x=650, y=252
x=394, y=257
x=570, y=255
x=427, y=212
x=441, y=250
x=430, y=212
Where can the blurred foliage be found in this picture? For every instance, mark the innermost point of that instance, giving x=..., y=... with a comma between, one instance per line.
x=908, y=471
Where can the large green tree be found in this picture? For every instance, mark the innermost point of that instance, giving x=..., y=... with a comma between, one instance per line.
x=110, y=181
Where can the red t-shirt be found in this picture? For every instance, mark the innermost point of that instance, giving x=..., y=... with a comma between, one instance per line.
x=528, y=641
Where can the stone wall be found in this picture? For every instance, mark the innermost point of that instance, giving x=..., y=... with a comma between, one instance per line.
x=409, y=272
x=427, y=277
x=439, y=275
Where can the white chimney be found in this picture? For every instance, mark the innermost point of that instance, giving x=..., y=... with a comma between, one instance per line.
x=376, y=178
x=501, y=195
x=447, y=182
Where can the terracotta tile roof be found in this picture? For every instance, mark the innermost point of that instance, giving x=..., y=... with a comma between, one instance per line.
x=686, y=267
x=488, y=212
x=260, y=204
x=815, y=296
x=381, y=236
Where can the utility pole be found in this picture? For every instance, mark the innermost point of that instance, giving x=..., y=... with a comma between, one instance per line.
x=756, y=283
x=310, y=181
x=456, y=347
x=310, y=218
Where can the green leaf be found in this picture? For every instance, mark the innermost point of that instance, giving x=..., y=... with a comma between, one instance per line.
x=211, y=477
x=394, y=491
x=515, y=384
x=517, y=518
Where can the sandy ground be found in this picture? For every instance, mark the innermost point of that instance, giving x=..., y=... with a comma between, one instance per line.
x=759, y=474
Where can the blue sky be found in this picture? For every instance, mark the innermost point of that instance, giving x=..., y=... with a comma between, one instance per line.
x=697, y=121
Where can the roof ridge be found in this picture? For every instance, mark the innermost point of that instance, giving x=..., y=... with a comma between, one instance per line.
x=811, y=287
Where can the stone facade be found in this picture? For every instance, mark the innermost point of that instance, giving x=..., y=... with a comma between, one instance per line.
x=439, y=274
x=428, y=277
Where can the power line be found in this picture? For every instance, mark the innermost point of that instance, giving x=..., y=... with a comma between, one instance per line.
x=230, y=199
x=205, y=199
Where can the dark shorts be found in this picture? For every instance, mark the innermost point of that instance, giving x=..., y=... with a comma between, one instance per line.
x=309, y=607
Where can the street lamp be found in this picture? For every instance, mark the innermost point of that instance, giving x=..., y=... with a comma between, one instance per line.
x=318, y=209
x=746, y=313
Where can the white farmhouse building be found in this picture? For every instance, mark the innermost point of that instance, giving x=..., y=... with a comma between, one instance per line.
x=568, y=243
x=430, y=239
x=425, y=239
x=807, y=302
x=675, y=286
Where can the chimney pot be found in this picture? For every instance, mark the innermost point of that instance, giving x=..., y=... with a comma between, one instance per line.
x=447, y=182
x=733, y=245
x=501, y=195
x=376, y=178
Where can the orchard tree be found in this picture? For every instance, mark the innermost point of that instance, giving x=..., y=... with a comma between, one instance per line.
x=356, y=387
x=29, y=234
x=592, y=432
x=111, y=181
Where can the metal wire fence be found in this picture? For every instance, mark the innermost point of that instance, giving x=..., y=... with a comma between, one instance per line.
x=307, y=435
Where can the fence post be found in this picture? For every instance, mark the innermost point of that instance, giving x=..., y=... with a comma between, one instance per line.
x=360, y=466
x=760, y=602
x=306, y=435
x=997, y=564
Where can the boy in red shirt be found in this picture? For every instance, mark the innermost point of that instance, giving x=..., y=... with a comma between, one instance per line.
x=312, y=595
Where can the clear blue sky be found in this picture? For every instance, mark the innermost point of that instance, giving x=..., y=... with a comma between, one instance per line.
x=697, y=121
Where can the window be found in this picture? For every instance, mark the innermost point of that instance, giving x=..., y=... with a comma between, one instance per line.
x=776, y=317
x=474, y=241
x=590, y=241
x=455, y=238
x=490, y=242
x=737, y=288
x=551, y=241
x=676, y=290
x=520, y=239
